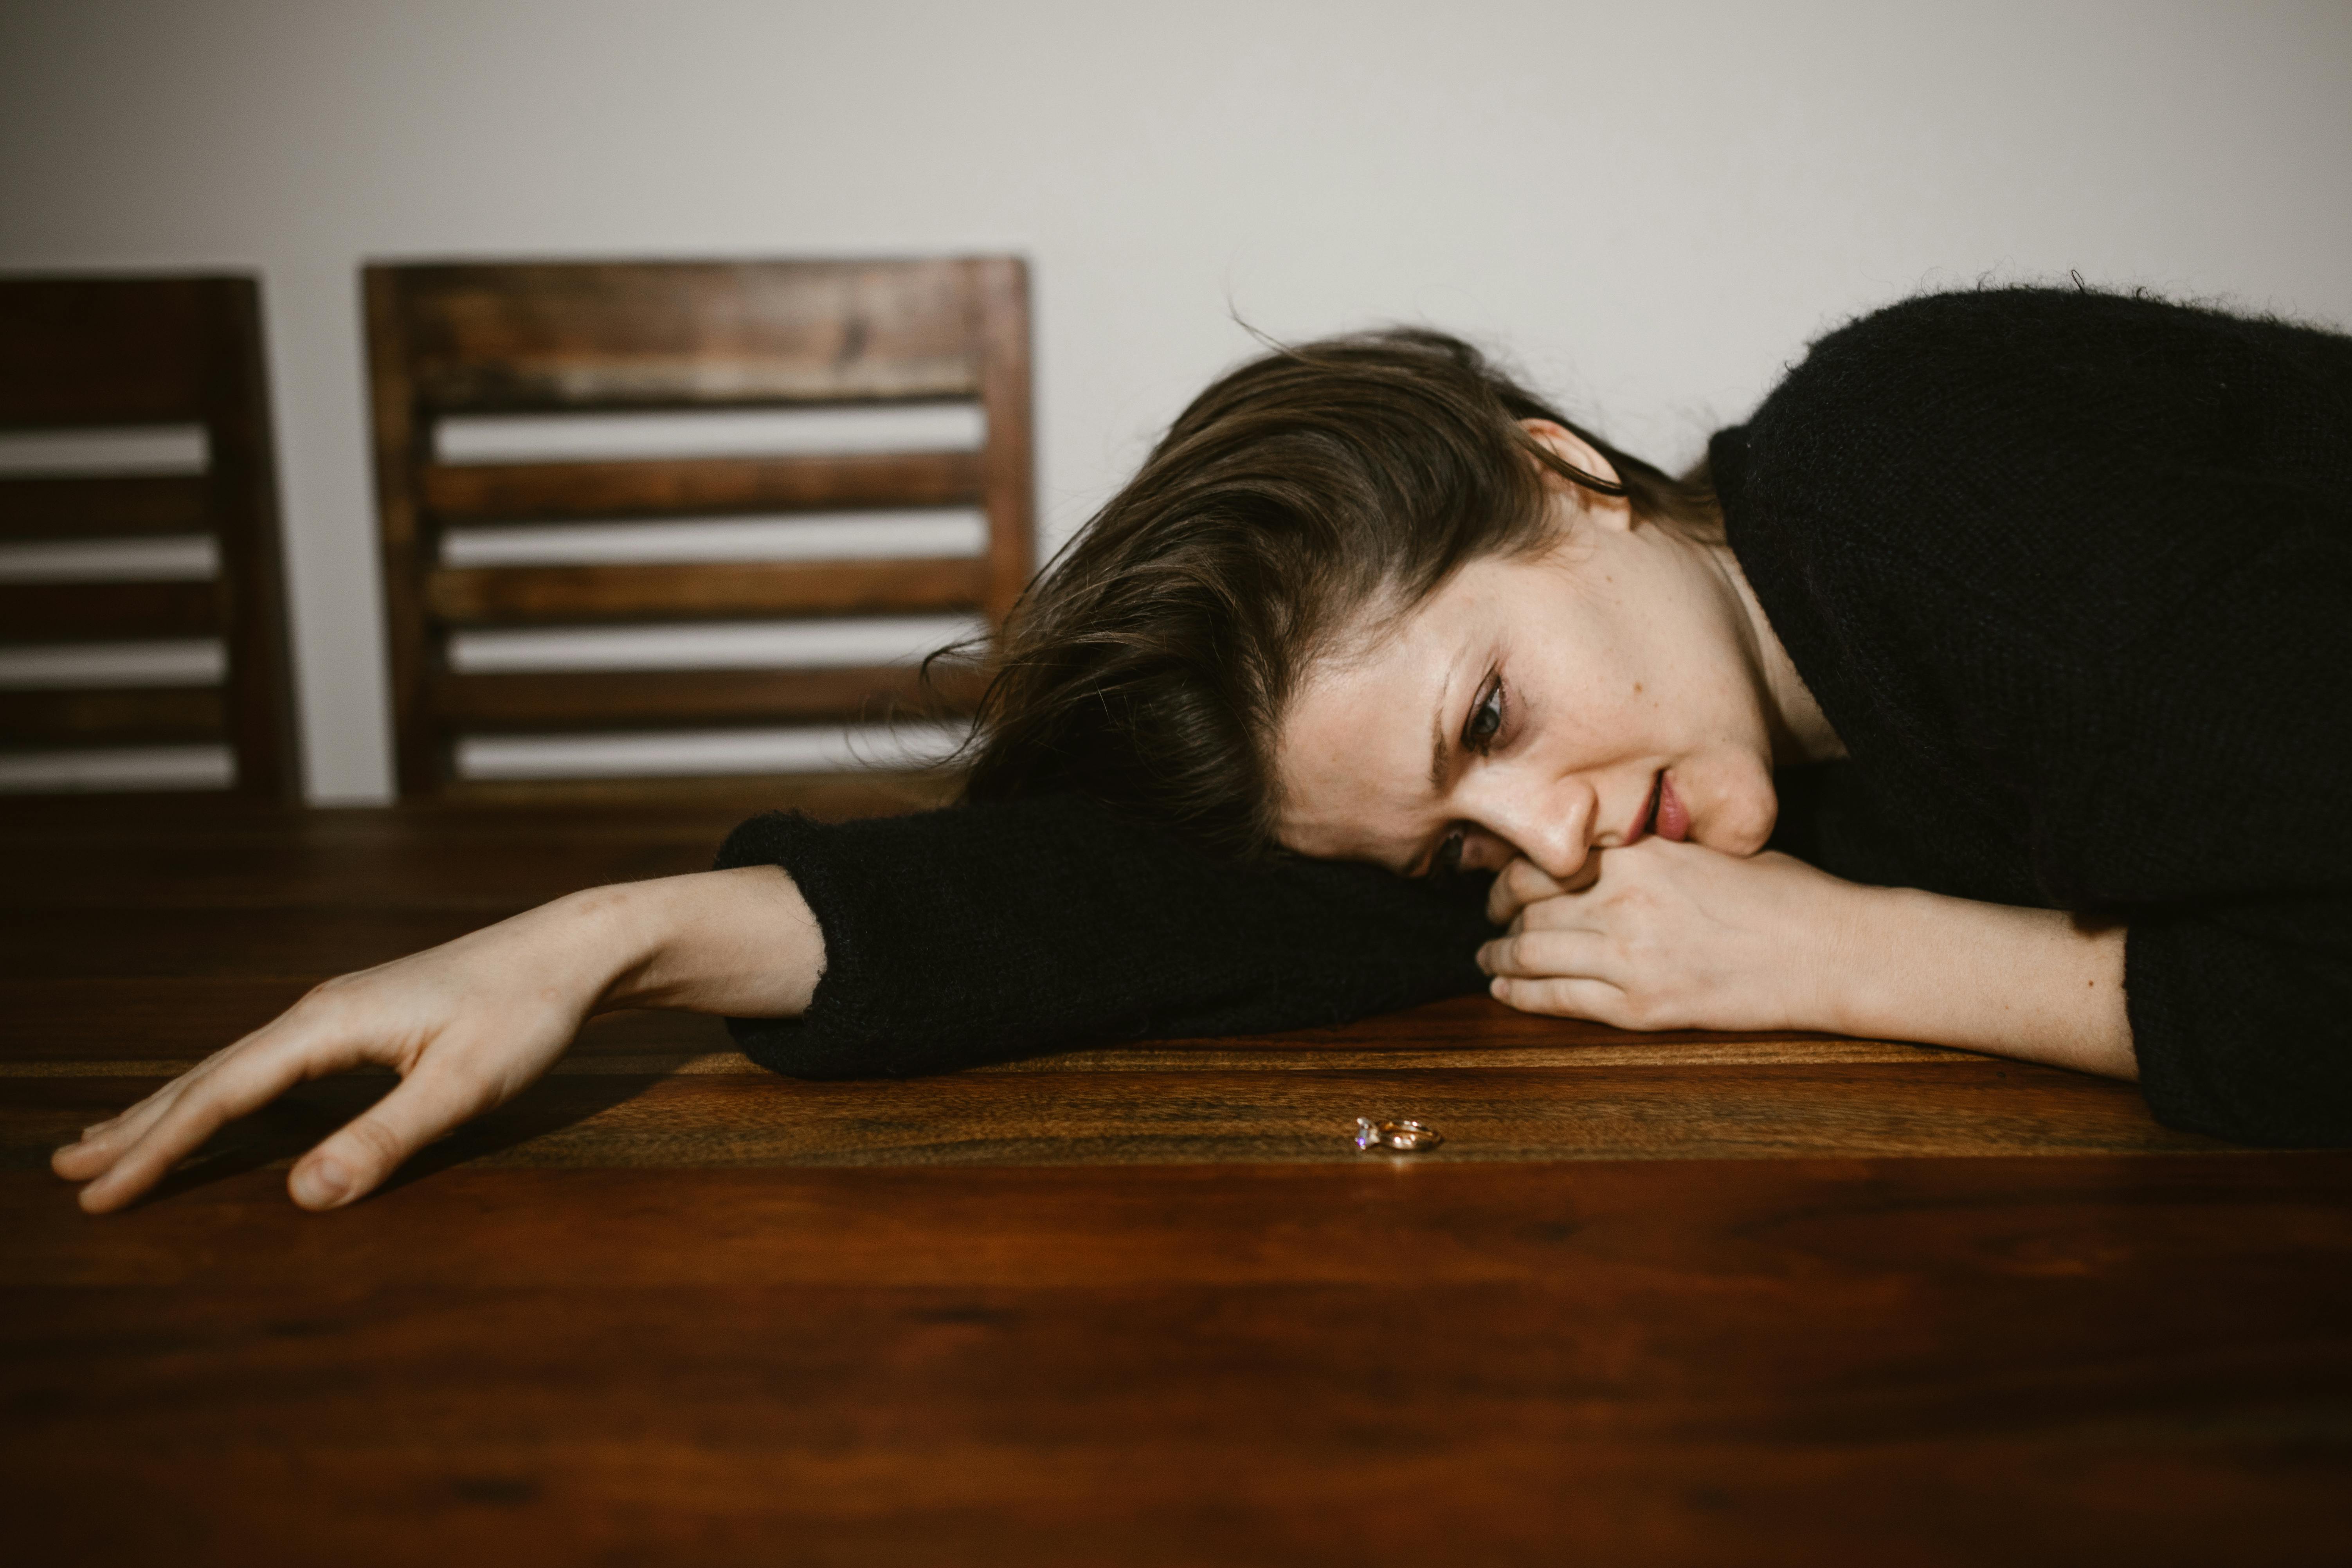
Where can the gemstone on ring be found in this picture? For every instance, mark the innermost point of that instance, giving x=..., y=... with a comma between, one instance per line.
x=1406, y=1137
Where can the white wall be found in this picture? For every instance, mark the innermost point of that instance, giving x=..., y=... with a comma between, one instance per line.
x=1653, y=206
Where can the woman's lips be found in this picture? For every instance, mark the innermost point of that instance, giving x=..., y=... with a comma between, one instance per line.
x=1674, y=817
x=1643, y=825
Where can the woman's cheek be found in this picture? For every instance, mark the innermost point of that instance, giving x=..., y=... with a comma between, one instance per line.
x=1744, y=812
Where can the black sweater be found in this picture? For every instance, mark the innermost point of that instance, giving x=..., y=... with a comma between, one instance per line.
x=2071, y=576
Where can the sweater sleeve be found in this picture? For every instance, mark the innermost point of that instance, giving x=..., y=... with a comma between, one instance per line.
x=2068, y=573
x=2214, y=822
x=2241, y=1018
x=986, y=932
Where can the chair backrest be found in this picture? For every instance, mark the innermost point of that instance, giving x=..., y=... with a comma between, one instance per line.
x=89, y=354
x=452, y=340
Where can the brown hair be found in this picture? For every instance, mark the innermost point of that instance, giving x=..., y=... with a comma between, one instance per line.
x=1149, y=663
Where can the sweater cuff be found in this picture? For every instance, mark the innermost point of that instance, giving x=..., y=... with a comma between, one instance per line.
x=834, y=1038
x=2238, y=1036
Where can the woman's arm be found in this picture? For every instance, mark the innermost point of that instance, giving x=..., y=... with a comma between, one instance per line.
x=942, y=939
x=2038, y=985
x=1672, y=935
x=986, y=932
x=470, y=1024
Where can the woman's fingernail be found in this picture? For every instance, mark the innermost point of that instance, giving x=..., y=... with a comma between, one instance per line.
x=1498, y=988
x=321, y=1182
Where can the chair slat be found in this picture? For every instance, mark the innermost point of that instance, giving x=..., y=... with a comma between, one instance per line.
x=106, y=612
x=114, y=351
x=104, y=505
x=685, y=382
x=828, y=796
x=635, y=334
x=652, y=700
x=112, y=716
x=534, y=492
x=544, y=596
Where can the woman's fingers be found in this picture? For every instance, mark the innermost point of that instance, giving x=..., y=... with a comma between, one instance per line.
x=170, y=1125
x=1523, y=882
x=372, y=1146
x=1516, y=886
x=1547, y=954
x=1564, y=996
x=102, y=1141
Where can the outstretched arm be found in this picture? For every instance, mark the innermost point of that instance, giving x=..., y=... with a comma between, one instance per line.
x=939, y=940
x=470, y=1024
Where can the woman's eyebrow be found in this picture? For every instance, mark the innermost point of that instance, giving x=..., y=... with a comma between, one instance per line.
x=1441, y=743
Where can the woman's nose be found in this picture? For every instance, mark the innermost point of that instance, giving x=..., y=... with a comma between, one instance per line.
x=1551, y=826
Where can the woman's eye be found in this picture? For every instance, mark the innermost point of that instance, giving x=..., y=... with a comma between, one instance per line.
x=1485, y=719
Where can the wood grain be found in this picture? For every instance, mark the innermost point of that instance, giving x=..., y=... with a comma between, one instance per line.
x=285, y=941
x=103, y=506
x=447, y=339
x=106, y=612
x=1000, y=295
x=120, y=716
x=85, y=350
x=496, y=337
x=702, y=487
x=830, y=796
x=1805, y=1361
x=1216, y=1115
x=99, y=351
x=1675, y=1299
x=540, y=595
x=644, y=699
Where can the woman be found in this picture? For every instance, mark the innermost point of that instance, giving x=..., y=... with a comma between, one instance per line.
x=2034, y=600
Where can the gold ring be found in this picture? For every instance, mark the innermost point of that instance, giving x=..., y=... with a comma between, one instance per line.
x=1399, y=1137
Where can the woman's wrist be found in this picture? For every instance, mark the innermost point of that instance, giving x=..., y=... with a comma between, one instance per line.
x=2035, y=984
x=1873, y=994
x=1827, y=980
x=741, y=942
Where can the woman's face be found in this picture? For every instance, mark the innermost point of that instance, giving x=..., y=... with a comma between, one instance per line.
x=1546, y=705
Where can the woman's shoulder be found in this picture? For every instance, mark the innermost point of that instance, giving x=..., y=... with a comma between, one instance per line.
x=2053, y=470
x=2043, y=322
x=2088, y=360
x=1997, y=424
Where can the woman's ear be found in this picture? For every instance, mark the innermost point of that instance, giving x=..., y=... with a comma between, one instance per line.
x=1608, y=511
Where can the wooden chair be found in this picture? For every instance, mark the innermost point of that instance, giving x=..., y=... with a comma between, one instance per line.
x=465, y=339
x=80, y=352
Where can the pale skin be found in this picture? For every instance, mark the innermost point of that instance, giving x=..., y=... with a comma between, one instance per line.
x=1520, y=718
x=1624, y=656
x=470, y=1024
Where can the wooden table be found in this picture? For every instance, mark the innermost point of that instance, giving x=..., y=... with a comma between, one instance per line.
x=1657, y=1299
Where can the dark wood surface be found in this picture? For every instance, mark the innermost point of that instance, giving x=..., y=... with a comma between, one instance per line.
x=98, y=351
x=485, y=339
x=1676, y=1299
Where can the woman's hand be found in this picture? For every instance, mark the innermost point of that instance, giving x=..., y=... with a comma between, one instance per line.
x=1668, y=935
x=470, y=1024
x=1665, y=935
